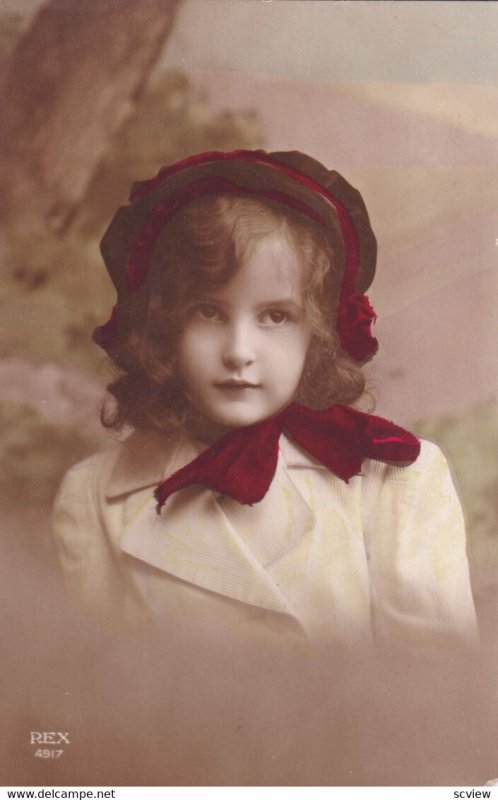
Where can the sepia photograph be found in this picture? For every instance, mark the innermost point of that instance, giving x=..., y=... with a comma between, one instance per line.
x=249, y=393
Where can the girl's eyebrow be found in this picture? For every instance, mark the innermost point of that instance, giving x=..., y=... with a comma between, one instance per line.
x=206, y=298
x=273, y=302
x=287, y=302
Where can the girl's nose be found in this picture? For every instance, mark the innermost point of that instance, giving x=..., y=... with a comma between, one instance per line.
x=238, y=350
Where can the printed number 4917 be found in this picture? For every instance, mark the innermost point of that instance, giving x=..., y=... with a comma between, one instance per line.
x=48, y=753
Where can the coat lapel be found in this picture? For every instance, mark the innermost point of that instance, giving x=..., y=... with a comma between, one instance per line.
x=207, y=540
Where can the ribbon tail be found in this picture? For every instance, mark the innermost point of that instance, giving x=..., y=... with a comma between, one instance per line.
x=180, y=479
x=341, y=438
x=241, y=464
x=392, y=445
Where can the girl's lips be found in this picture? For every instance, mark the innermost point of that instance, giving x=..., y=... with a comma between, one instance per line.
x=236, y=385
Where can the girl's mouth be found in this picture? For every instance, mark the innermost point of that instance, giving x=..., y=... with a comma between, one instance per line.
x=233, y=385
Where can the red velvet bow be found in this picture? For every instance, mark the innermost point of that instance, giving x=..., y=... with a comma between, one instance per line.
x=242, y=463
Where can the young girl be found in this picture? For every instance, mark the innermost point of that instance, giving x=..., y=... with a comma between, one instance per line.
x=250, y=496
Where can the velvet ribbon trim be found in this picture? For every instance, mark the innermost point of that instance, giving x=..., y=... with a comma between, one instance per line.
x=242, y=463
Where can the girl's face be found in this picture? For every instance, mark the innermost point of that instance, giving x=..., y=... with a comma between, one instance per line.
x=243, y=346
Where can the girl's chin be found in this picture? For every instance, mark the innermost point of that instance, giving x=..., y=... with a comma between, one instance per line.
x=203, y=427
x=208, y=429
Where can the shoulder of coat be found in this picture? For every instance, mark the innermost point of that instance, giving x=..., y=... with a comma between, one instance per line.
x=138, y=449
x=430, y=454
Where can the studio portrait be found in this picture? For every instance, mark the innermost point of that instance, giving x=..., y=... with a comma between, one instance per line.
x=249, y=393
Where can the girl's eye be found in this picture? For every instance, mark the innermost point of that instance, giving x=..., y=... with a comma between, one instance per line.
x=208, y=311
x=275, y=317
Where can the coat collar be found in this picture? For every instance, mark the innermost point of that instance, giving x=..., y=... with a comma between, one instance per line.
x=211, y=541
x=147, y=457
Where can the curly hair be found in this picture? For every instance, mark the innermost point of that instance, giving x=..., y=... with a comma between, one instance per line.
x=199, y=250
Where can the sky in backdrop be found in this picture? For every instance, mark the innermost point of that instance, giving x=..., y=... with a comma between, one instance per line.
x=383, y=41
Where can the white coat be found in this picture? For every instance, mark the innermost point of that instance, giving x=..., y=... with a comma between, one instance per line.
x=318, y=561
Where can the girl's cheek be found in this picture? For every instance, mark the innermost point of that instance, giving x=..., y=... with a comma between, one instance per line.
x=200, y=341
